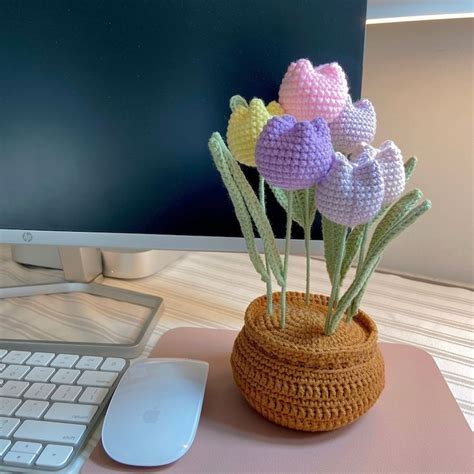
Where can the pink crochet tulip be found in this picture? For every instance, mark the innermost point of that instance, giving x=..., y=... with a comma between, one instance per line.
x=354, y=125
x=307, y=92
x=352, y=192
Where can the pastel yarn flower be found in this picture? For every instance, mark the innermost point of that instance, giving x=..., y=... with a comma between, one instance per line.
x=308, y=92
x=354, y=125
x=352, y=192
x=245, y=125
x=294, y=155
x=390, y=160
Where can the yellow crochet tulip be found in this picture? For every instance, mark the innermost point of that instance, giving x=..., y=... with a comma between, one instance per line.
x=245, y=125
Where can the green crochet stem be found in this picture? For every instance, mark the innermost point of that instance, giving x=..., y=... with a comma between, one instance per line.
x=307, y=238
x=261, y=192
x=339, y=247
x=255, y=210
x=355, y=303
x=289, y=221
x=371, y=260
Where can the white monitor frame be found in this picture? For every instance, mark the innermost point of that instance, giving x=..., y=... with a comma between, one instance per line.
x=144, y=241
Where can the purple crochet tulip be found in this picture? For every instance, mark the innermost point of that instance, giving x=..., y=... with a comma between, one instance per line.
x=352, y=192
x=354, y=125
x=390, y=159
x=294, y=155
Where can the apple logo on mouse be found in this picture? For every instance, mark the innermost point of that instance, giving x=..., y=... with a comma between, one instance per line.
x=151, y=415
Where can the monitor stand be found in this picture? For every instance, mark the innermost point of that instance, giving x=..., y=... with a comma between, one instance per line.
x=81, y=265
x=84, y=264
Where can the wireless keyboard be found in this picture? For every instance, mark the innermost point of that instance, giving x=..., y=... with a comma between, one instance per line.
x=49, y=405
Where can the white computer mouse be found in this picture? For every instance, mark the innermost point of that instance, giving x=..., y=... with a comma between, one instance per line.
x=154, y=413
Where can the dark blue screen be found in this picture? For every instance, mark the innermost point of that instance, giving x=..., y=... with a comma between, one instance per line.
x=106, y=106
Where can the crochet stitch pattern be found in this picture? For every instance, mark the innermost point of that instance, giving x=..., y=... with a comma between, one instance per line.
x=294, y=155
x=354, y=125
x=300, y=379
x=307, y=92
x=245, y=126
x=352, y=193
x=390, y=159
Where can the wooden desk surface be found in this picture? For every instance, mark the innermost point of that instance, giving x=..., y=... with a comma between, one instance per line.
x=213, y=289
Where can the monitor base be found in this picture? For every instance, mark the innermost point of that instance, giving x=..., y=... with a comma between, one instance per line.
x=84, y=264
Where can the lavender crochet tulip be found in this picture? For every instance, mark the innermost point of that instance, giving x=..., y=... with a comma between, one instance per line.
x=390, y=159
x=352, y=192
x=354, y=125
x=294, y=155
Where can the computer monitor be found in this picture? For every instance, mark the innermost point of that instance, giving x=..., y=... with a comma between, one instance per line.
x=106, y=108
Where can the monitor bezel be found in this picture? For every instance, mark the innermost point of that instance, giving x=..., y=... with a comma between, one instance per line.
x=143, y=241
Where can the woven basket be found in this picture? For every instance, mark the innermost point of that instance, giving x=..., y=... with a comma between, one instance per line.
x=300, y=378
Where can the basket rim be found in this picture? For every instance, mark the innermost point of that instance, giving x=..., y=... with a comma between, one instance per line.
x=346, y=355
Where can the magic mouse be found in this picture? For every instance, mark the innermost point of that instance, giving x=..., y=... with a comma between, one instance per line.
x=154, y=413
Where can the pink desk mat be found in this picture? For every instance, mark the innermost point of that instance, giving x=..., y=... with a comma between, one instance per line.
x=416, y=425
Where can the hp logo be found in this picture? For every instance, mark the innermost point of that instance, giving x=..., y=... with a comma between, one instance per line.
x=27, y=236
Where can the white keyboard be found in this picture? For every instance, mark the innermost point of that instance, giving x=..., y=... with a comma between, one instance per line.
x=49, y=404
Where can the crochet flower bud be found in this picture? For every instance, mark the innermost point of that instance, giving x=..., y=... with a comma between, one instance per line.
x=352, y=192
x=308, y=92
x=294, y=155
x=390, y=160
x=245, y=126
x=354, y=125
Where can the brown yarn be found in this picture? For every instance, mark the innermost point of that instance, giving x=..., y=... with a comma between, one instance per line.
x=300, y=378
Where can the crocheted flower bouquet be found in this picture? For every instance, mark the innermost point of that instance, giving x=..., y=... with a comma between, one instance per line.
x=306, y=361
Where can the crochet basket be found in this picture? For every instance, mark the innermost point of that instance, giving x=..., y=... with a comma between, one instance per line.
x=300, y=378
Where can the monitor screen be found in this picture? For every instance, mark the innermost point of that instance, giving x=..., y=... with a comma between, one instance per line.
x=107, y=105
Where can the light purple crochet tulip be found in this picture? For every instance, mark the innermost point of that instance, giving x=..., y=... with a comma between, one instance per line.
x=355, y=124
x=294, y=155
x=390, y=159
x=352, y=192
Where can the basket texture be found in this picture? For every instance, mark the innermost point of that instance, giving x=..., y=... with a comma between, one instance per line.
x=300, y=378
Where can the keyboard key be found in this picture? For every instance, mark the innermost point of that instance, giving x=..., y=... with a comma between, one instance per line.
x=3, y=353
x=65, y=376
x=97, y=378
x=15, y=372
x=54, y=456
x=2, y=366
x=25, y=447
x=40, y=391
x=8, y=405
x=50, y=432
x=16, y=357
x=93, y=395
x=18, y=459
x=4, y=443
x=71, y=412
x=40, y=358
x=32, y=409
x=7, y=426
x=113, y=364
x=39, y=374
x=89, y=362
x=13, y=388
x=64, y=361
x=66, y=393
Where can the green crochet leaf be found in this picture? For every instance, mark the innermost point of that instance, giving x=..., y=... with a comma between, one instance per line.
x=410, y=166
x=240, y=208
x=298, y=204
x=352, y=248
x=395, y=214
x=331, y=236
x=372, y=259
x=255, y=209
x=236, y=101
